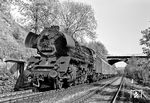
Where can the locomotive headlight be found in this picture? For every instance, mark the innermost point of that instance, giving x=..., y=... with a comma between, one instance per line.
x=53, y=73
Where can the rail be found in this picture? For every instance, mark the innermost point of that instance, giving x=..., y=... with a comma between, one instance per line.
x=28, y=95
x=90, y=93
x=5, y=95
x=119, y=89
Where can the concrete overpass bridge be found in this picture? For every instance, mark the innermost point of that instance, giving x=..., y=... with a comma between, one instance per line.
x=114, y=59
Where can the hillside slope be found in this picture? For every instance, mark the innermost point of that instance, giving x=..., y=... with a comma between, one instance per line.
x=12, y=37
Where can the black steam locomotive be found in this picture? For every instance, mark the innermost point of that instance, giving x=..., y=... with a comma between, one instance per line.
x=62, y=62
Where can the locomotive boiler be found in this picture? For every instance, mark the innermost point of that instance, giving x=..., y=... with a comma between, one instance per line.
x=61, y=62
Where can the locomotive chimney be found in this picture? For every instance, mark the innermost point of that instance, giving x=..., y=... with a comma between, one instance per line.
x=54, y=28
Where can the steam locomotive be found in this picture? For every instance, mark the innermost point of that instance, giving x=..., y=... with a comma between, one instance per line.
x=61, y=63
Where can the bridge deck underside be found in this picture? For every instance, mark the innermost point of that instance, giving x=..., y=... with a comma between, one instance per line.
x=113, y=61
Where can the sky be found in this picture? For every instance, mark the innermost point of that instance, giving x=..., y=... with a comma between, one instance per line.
x=120, y=23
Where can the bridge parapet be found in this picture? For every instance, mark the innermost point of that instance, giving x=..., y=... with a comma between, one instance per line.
x=128, y=57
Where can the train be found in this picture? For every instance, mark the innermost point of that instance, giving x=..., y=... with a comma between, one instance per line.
x=62, y=62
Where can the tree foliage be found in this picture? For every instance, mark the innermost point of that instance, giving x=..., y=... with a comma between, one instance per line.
x=145, y=41
x=77, y=19
x=38, y=13
x=138, y=69
x=99, y=48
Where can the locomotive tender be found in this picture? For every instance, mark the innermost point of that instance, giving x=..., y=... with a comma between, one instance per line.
x=62, y=62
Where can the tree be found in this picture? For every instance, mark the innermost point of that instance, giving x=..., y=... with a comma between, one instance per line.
x=138, y=69
x=77, y=19
x=39, y=13
x=145, y=41
x=99, y=48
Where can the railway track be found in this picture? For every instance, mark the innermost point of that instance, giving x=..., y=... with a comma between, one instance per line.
x=82, y=95
x=114, y=99
x=15, y=96
x=35, y=97
x=88, y=95
x=56, y=96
